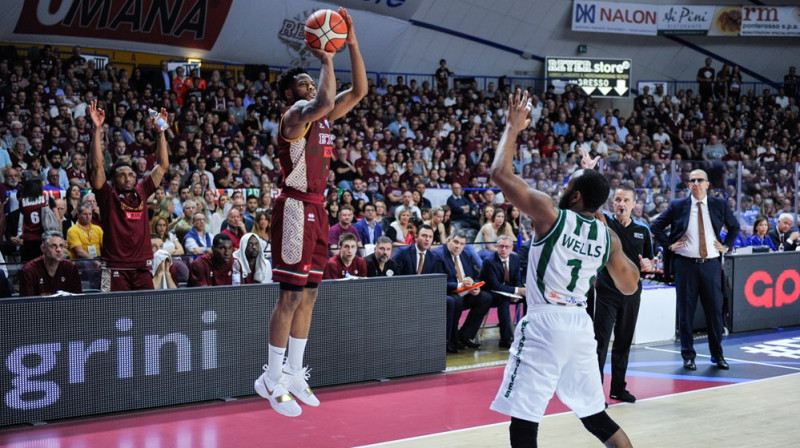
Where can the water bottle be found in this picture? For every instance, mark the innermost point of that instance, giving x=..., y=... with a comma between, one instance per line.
x=236, y=275
x=660, y=261
x=156, y=117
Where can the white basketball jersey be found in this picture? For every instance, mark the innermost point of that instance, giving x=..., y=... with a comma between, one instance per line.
x=563, y=264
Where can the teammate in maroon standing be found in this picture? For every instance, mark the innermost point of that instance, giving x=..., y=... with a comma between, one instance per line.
x=31, y=203
x=125, y=223
x=300, y=225
x=50, y=272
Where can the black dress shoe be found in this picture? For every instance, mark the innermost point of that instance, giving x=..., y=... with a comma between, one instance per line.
x=469, y=343
x=505, y=344
x=451, y=348
x=458, y=345
x=623, y=396
x=689, y=364
x=722, y=364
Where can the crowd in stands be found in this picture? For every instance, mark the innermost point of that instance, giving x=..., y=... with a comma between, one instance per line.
x=215, y=202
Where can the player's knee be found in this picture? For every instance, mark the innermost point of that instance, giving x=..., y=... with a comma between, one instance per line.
x=290, y=287
x=523, y=433
x=310, y=285
x=601, y=425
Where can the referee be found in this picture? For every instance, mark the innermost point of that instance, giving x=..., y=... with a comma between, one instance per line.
x=609, y=308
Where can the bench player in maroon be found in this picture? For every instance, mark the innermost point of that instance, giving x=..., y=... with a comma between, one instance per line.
x=124, y=219
x=299, y=221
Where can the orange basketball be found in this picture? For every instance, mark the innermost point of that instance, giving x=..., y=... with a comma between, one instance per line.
x=326, y=29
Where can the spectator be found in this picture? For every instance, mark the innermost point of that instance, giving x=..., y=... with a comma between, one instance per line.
x=442, y=76
x=125, y=221
x=714, y=150
x=239, y=204
x=760, y=235
x=343, y=226
x=84, y=239
x=487, y=236
x=163, y=270
x=235, y=229
x=52, y=180
x=461, y=273
x=369, y=229
x=398, y=231
x=344, y=170
x=50, y=273
x=251, y=256
x=215, y=268
x=501, y=271
x=408, y=204
x=198, y=241
x=785, y=235
x=437, y=224
x=460, y=207
x=261, y=229
x=379, y=263
x=170, y=242
x=182, y=225
x=346, y=263
x=705, y=79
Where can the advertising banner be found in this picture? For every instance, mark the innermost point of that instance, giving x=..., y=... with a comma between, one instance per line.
x=623, y=18
x=597, y=77
x=183, y=23
x=770, y=21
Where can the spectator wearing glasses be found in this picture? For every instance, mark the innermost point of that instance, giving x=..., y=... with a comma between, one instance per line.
x=198, y=240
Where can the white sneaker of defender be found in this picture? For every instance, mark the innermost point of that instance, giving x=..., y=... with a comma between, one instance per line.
x=297, y=385
x=279, y=398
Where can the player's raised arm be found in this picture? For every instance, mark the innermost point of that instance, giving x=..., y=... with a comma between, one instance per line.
x=311, y=102
x=536, y=204
x=348, y=99
x=162, y=153
x=624, y=272
x=98, y=161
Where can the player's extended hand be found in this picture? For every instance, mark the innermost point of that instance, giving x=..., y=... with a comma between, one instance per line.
x=98, y=115
x=645, y=264
x=587, y=162
x=518, y=115
x=322, y=55
x=678, y=244
x=351, y=33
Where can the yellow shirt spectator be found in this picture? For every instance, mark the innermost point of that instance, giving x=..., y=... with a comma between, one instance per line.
x=84, y=238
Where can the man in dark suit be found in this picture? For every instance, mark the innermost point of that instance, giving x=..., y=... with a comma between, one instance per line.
x=162, y=81
x=501, y=273
x=460, y=273
x=785, y=233
x=416, y=259
x=694, y=224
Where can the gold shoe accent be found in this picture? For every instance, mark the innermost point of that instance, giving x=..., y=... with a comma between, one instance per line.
x=281, y=399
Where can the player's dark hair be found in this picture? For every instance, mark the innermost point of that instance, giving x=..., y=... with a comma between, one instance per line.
x=594, y=188
x=286, y=80
x=31, y=187
x=220, y=238
x=119, y=164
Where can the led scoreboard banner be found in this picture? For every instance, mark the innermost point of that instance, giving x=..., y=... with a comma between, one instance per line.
x=597, y=77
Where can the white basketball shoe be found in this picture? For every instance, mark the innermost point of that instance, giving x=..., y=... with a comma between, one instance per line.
x=295, y=381
x=279, y=398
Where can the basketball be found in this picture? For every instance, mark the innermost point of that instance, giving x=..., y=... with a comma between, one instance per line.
x=326, y=30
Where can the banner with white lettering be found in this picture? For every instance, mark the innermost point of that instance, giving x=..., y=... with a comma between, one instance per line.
x=606, y=17
x=596, y=77
x=770, y=21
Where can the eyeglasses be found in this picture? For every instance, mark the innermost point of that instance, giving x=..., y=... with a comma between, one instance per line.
x=697, y=181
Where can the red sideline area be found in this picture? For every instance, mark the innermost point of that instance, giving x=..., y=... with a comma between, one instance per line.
x=349, y=416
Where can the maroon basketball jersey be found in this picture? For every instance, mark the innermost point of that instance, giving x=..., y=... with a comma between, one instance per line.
x=126, y=226
x=31, y=211
x=305, y=161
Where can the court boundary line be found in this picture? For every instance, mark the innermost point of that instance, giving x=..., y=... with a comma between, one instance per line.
x=742, y=361
x=505, y=423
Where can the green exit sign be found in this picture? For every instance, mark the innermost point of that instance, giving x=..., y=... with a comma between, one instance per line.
x=582, y=48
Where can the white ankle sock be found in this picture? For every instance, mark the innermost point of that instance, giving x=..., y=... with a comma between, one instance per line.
x=275, y=362
x=297, y=348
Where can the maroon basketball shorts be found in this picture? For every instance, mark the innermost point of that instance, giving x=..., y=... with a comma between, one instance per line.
x=299, y=241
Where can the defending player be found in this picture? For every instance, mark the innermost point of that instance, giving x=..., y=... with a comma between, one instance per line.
x=554, y=348
x=125, y=223
x=300, y=224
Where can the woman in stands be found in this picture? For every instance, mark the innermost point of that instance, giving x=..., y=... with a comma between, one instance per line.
x=398, y=230
x=215, y=218
x=73, y=201
x=332, y=207
x=516, y=224
x=487, y=237
x=165, y=208
x=261, y=227
x=347, y=199
x=759, y=236
x=159, y=227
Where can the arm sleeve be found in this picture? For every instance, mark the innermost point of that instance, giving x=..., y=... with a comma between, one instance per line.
x=197, y=274
x=26, y=284
x=647, y=249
